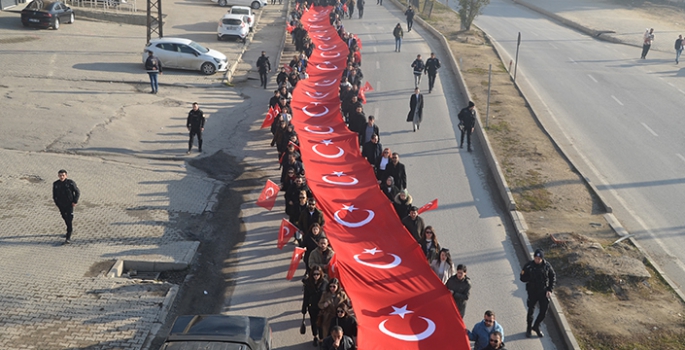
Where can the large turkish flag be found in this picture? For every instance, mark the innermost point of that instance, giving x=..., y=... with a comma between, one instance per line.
x=399, y=302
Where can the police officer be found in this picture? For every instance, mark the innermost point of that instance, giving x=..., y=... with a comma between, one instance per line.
x=65, y=194
x=432, y=66
x=467, y=121
x=539, y=277
x=196, y=125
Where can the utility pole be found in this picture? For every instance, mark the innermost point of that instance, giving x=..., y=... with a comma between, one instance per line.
x=154, y=23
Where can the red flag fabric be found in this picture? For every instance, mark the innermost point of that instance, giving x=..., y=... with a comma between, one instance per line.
x=429, y=206
x=362, y=96
x=285, y=233
x=367, y=87
x=277, y=110
x=294, y=261
x=268, y=120
x=412, y=310
x=289, y=27
x=288, y=69
x=332, y=269
x=269, y=194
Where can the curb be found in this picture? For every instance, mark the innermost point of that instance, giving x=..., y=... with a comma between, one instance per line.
x=505, y=192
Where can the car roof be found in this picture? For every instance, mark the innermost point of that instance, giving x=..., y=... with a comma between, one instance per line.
x=171, y=40
x=241, y=8
x=233, y=15
x=246, y=330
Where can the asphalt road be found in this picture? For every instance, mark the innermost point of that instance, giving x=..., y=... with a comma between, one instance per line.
x=467, y=222
x=620, y=117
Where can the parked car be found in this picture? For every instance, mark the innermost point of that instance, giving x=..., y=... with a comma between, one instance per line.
x=245, y=11
x=186, y=54
x=233, y=26
x=46, y=14
x=254, y=4
x=219, y=332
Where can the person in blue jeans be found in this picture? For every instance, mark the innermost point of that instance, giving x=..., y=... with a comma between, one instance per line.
x=154, y=67
x=398, y=33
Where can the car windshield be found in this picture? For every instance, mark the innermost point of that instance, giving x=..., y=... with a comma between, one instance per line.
x=198, y=47
x=39, y=5
x=240, y=11
x=232, y=21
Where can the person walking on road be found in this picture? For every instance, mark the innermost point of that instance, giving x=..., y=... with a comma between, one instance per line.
x=360, y=8
x=398, y=34
x=678, y=48
x=496, y=342
x=414, y=223
x=65, y=194
x=483, y=330
x=397, y=171
x=337, y=340
x=196, y=125
x=418, y=67
x=467, y=122
x=647, y=40
x=415, y=109
x=154, y=67
x=432, y=66
x=314, y=287
x=539, y=277
x=460, y=287
x=264, y=66
x=410, y=17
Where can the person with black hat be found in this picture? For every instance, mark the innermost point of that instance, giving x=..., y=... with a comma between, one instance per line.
x=539, y=277
x=467, y=121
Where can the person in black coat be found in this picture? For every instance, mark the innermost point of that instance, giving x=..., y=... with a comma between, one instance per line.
x=263, y=66
x=539, y=277
x=415, y=114
x=314, y=287
x=432, y=66
x=360, y=8
x=310, y=216
x=65, y=194
x=369, y=130
x=345, y=321
x=310, y=241
x=389, y=188
x=357, y=120
x=282, y=77
x=196, y=125
x=372, y=151
x=397, y=171
x=467, y=119
x=381, y=165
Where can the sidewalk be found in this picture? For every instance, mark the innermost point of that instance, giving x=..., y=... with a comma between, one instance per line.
x=611, y=22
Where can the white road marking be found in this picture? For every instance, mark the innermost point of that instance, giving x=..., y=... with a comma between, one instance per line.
x=554, y=47
x=617, y=101
x=378, y=86
x=593, y=79
x=376, y=111
x=534, y=33
x=52, y=64
x=649, y=129
x=671, y=84
x=375, y=49
x=572, y=60
x=681, y=91
x=370, y=36
x=378, y=65
x=680, y=156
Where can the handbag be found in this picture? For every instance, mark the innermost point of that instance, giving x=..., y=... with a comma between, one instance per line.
x=303, y=326
x=461, y=125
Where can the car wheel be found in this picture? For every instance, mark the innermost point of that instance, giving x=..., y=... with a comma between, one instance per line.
x=56, y=24
x=208, y=68
x=255, y=5
x=71, y=19
x=223, y=3
x=26, y=24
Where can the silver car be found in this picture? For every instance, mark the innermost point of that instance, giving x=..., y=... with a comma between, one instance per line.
x=255, y=4
x=186, y=54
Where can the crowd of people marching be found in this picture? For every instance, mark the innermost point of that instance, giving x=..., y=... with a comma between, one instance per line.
x=331, y=313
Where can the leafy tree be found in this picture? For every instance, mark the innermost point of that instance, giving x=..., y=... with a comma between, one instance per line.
x=469, y=9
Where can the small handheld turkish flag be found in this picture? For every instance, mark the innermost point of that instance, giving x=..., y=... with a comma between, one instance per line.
x=268, y=120
x=277, y=110
x=268, y=197
x=297, y=256
x=362, y=96
x=289, y=27
x=429, y=206
x=294, y=144
x=288, y=69
x=285, y=233
x=333, y=268
x=367, y=87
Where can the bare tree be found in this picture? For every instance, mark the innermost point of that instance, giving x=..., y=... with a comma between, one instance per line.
x=469, y=9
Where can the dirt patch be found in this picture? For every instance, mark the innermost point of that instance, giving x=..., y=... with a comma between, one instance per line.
x=608, y=305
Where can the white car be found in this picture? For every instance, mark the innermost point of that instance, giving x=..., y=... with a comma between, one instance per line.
x=254, y=4
x=186, y=54
x=233, y=26
x=245, y=11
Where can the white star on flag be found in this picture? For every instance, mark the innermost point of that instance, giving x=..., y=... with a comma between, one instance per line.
x=327, y=142
x=372, y=251
x=338, y=173
x=401, y=311
x=350, y=208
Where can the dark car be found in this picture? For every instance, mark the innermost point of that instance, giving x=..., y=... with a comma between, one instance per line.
x=46, y=14
x=219, y=332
